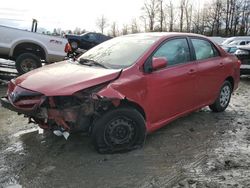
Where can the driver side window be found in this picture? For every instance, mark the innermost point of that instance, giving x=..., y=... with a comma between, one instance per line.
x=176, y=51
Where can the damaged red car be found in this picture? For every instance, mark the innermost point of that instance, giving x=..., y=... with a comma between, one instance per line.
x=127, y=87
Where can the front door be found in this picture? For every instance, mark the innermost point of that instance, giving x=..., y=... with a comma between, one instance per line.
x=172, y=90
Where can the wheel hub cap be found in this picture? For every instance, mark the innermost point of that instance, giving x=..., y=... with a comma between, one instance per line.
x=28, y=65
x=225, y=95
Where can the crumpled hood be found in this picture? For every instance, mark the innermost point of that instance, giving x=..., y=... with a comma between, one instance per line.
x=65, y=78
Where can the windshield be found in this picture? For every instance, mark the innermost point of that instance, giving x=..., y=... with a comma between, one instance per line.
x=120, y=52
x=236, y=42
x=227, y=41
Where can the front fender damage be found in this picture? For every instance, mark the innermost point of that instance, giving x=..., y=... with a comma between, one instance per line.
x=111, y=94
x=77, y=112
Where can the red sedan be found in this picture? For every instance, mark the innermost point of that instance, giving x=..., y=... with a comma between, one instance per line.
x=127, y=87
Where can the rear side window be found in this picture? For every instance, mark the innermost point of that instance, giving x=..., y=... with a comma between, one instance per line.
x=176, y=51
x=92, y=37
x=242, y=43
x=204, y=49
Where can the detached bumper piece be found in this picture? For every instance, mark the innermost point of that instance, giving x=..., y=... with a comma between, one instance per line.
x=7, y=104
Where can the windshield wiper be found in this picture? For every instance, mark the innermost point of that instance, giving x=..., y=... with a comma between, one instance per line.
x=90, y=62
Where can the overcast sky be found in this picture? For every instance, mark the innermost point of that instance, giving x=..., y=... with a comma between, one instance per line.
x=68, y=14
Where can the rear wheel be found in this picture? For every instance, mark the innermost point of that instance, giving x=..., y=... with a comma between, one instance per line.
x=223, y=99
x=118, y=130
x=27, y=62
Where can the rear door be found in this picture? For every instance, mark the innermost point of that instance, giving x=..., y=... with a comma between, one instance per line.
x=171, y=90
x=210, y=74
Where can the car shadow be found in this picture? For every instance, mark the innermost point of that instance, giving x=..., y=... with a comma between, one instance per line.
x=50, y=159
x=245, y=78
x=192, y=128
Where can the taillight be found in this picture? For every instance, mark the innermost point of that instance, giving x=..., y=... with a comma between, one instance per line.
x=238, y=63
x=67, y=48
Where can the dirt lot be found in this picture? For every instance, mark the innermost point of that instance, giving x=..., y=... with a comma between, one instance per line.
x=203, y=149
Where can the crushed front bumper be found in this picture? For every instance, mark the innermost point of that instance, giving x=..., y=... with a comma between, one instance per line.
x=6, y=104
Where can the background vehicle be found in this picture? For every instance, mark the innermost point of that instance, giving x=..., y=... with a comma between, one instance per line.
x=217, y=40
x=111, y=90
x=30, y=49
x=243, y=54
x=86, y=40
x=231, y=39
x=234, y=45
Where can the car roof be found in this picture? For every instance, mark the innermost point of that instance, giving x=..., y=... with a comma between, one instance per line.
x=231, y=39
x=162, y=35
x=166, y=34
x=240, y=40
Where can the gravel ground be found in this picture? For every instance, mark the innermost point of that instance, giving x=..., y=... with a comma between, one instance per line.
x=203, y=149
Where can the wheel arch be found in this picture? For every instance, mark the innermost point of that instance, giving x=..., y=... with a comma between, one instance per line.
x=126, y=102
x=119, y=99
x=28, y=46
x=231, y=80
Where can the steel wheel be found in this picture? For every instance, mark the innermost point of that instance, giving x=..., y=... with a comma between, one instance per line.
x=27, y=62
x=120, y=131
x=28, y=65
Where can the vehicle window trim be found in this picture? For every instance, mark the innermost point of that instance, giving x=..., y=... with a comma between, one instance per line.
x=148, y=61
x=211, y=43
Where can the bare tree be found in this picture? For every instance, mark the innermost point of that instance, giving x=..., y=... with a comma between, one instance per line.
x=246, y=17
x=114, y=30
x=77, y=31
x=198, y=21
x=226, y=10
x=182, y=8
x=150, y=9
x=102, y=23
x=217, y=17
x=171, y=15
x=125, y=29
x=162, y=14
x=135, y=26
x=144, y=22
x=83, y=31
x=188, y=12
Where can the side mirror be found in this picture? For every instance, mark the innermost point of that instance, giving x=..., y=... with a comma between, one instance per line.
x=159, y=63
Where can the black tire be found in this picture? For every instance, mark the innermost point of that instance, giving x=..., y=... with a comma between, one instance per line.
x=119, y=130
x=223, y=99
x=27, y=62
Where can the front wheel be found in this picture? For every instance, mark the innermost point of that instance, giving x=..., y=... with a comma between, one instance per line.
x=120, y=129
x=223, y=99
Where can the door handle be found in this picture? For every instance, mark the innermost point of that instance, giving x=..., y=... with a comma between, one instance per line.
x=221, y=64
x=191, y=71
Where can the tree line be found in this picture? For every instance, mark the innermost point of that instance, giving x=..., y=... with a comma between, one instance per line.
x=215, y=18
